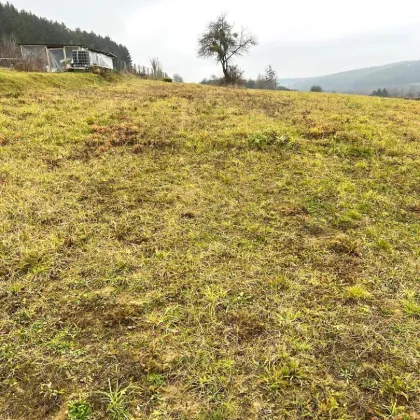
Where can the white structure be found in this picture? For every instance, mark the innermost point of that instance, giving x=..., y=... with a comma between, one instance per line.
x=56, y=58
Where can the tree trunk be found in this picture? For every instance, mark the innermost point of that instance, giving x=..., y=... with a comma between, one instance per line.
x=225, y=69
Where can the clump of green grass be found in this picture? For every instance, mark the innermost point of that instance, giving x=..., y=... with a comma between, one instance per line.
x=280, y=283
x=80, y=410
x=265, y=139
x=280, y=376
x=117, y=401
x=412, y=308
x=357, y=292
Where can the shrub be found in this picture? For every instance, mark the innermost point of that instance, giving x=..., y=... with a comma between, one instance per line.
x=235, y=76
x=167, y=79
x=316, y=88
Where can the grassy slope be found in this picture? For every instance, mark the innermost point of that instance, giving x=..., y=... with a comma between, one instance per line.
x=231, y=254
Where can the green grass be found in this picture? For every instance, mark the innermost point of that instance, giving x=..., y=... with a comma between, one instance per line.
x=219, y=253
x=79, y=410
x=357, y=293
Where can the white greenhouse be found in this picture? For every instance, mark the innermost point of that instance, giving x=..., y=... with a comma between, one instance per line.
x=57, y=58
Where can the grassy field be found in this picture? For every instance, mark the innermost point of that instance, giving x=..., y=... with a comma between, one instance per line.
x=173, y=251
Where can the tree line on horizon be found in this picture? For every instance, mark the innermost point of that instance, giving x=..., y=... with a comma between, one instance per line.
x=383, y=93
x=268, y=81
x=26, y=28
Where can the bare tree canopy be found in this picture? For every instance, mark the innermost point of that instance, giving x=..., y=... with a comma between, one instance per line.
x=221, y=42
x=270, y=78
x=177, y=78
x=156, y=67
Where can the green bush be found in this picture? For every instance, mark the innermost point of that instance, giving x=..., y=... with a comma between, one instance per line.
x=167, y=79
x=316, y=88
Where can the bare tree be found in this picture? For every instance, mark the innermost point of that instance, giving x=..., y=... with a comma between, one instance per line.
x=260, y=82
x=156, y=67
x=9, y=51
x=177, y=78
x=270, y=78
x=9, y=47
x=221, y=42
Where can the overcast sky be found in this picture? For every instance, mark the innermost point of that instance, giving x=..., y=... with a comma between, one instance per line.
x=299, y=38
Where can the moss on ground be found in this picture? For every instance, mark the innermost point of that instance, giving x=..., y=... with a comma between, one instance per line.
x=204, y=253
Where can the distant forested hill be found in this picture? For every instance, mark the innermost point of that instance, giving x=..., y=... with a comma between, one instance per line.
x=399, y=77
x=27, y=28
